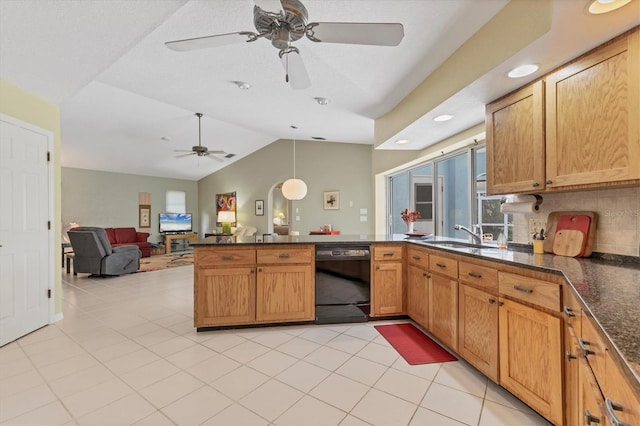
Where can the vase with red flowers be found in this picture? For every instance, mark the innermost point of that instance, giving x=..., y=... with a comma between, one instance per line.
x=409, y=217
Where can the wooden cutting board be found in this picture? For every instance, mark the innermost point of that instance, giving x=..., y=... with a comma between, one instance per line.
x=569, y=242
x=551, y=229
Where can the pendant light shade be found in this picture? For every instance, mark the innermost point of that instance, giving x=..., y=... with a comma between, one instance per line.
x=294, y=189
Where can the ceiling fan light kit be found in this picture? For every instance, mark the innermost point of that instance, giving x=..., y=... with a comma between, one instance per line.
x=283, y=22
x=294, y=189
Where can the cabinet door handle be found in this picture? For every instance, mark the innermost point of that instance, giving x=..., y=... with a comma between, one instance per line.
x=611, y=407
x=377, y=267
x=582, y=343
x=475, y=275
x=416, y=258
x=426, y=275
x=568, y=312
x=500, y=303
x=259, y=270
x=590, y=419
x=523, y=289
x=570, y=356
x=535, y=184
x=283, y=256
x=253, y=271
x=441, y=265
x=388, y=254
x=492, y=301
x=227, y=257
x=548, y=181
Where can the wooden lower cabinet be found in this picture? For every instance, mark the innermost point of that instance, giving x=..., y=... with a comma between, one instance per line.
x=418, y=294
x=224, y=296
x=571, y=329
x=285, y=293
x=531, y=357
x=622, y=404
x=443, y=309
x=478, y=330
x=590, y=407
x=387, y=284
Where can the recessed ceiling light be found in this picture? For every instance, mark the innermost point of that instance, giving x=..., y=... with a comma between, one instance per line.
x=322, y=101
x=443, y=117
x=402, y=142
x=596, y=7
x=523, y=70
x=165, y=138
x=242, y=85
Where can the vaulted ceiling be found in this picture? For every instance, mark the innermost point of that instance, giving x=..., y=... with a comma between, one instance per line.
x=127, y=102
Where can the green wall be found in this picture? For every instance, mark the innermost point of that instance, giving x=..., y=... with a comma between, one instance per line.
x=105, y=199
x=324, y=166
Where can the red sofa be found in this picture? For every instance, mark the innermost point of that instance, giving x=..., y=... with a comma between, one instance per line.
x=129, y=237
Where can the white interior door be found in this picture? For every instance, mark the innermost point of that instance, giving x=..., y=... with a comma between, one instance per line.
x=25, y=247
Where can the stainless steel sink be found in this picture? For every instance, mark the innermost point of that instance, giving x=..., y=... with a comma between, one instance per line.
x=458, y=244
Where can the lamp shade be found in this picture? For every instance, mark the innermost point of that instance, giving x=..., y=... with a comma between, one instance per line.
x=294, y=189
x=226, y=216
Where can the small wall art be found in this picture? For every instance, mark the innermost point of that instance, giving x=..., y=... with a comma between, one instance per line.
x=331, y=200
x=144, y=215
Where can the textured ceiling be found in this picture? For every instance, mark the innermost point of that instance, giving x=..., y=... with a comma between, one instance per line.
x=127, y=102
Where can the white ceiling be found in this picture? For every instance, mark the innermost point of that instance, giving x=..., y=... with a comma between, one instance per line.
x=120, y=90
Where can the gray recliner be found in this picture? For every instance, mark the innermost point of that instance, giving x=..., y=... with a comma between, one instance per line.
x=94, y=254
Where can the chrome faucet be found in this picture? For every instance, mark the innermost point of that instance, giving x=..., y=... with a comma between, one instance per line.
x=476, y=234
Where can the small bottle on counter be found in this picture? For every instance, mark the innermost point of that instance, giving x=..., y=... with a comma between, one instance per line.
x=502, y=241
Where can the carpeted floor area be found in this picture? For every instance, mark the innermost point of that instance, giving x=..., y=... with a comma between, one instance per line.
x=156, y=263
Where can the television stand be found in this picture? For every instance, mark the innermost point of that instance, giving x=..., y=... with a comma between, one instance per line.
x=170, y=237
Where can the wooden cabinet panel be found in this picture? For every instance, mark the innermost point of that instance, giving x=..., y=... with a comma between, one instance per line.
x=280, y=255
x=587, y=144
x=285, y=293
x=224, y=296
x=418, y=256
x=531, y=357
x=530, y=290
x=515, y=141
x=593, y=348
x=443, y=265
x=572, y=319
x=418, y=294
x=481, y=277
x=387, y=289
x=590, y=401
x=478, y=330
x=222, y=256
x=385, y=252
x=443, y=309
x=621, y=403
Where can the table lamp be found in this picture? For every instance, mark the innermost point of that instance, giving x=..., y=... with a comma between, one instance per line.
x=226, y=217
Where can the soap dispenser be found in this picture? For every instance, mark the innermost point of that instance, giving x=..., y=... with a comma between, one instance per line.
x=502, y=241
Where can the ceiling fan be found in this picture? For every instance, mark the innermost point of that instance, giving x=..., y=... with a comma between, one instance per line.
x=285, y=21
x=200, y=150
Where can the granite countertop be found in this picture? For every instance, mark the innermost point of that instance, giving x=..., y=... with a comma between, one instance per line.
x=609, y=290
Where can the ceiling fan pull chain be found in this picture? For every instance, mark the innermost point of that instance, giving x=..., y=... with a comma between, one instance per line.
x=286, y=79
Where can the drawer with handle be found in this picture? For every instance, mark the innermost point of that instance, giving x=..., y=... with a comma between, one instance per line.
x=217, y=257
x=530, y=290
x=417, y=256
x=385, y=252
x=481, y=277
x=286, y=255
x=443, y=265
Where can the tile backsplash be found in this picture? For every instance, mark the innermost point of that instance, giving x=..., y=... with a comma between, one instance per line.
x=618, y=227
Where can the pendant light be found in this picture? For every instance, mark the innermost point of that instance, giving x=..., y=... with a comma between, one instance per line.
x=294, y=189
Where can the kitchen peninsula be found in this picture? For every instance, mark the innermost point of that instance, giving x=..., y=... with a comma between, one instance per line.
x=262, y=280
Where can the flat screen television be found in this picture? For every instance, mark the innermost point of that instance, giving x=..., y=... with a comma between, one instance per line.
x=175, y=222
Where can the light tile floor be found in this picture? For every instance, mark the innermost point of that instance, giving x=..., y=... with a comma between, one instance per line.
x=126, y=353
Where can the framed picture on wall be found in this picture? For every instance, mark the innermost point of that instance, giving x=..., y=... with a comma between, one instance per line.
x=331, y=200
x=259, y=207
x=144, y=215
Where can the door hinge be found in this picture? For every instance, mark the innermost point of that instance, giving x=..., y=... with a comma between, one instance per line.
x=48, y=156
x=49, y=293
x=49, y=225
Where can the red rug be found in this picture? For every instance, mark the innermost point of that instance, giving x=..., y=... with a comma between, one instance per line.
x=414, y=346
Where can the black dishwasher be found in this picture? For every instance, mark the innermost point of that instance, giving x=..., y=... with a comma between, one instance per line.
x=342, y=283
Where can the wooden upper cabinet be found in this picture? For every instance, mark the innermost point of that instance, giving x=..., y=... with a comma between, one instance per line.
x=593, y=114
x=515, y=141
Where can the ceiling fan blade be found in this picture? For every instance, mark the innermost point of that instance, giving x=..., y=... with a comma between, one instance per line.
x=184, y=155
x=273, y=6
x=297, y=75
x=211, y=41
x=377, y=34
x=183, y=150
